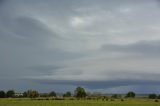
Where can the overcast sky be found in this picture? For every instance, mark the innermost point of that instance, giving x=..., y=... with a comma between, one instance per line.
x=103, y=45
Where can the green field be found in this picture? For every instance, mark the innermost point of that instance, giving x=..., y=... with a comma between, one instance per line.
x=117, y=102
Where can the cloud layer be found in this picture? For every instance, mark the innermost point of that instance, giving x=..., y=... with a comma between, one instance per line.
x=101, y=45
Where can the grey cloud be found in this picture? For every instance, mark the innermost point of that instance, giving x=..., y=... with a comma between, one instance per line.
x=106, y=85
x=76, y=40
x=142, y=47
x=53, y=69
x=45, y=68
x=1, y=1
x=126, y=80
x=29, y=27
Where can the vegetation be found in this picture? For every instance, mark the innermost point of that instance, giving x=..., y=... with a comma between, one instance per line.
x=158, y=97
x=67, y=94
x=80, y=92
x=44, y=95
x=31, y=94
x=52, y=94
x=50, y=102
x=79, y=98
x=116, y=96
x=2, y=94
x=130, y=94
x=10, y=93
x=152, y=96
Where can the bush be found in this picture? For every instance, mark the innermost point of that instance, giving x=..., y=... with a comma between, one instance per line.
x=122, y=99
x=156, y=100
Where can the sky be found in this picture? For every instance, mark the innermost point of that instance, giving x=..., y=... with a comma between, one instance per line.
x=110, y=46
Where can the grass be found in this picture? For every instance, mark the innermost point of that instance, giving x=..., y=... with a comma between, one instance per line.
x=117, y=102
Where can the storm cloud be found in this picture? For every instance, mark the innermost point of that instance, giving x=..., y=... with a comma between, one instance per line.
x=99, y=44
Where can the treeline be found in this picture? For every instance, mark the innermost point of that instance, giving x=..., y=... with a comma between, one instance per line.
x=26, y=94
x=79, y=92
x=154, y=96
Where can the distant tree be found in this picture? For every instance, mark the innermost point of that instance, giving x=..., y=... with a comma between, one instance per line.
x=152, y=96
x=10, y=93
x=52, y=94
x=67, y=94
x=31, y=93
x=130, y=94
x=2, y=94
x=80, y=92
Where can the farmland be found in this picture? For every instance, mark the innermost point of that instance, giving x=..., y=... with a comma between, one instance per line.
x=116, y=102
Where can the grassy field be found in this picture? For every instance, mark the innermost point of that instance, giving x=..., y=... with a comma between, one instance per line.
x=117, y=102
